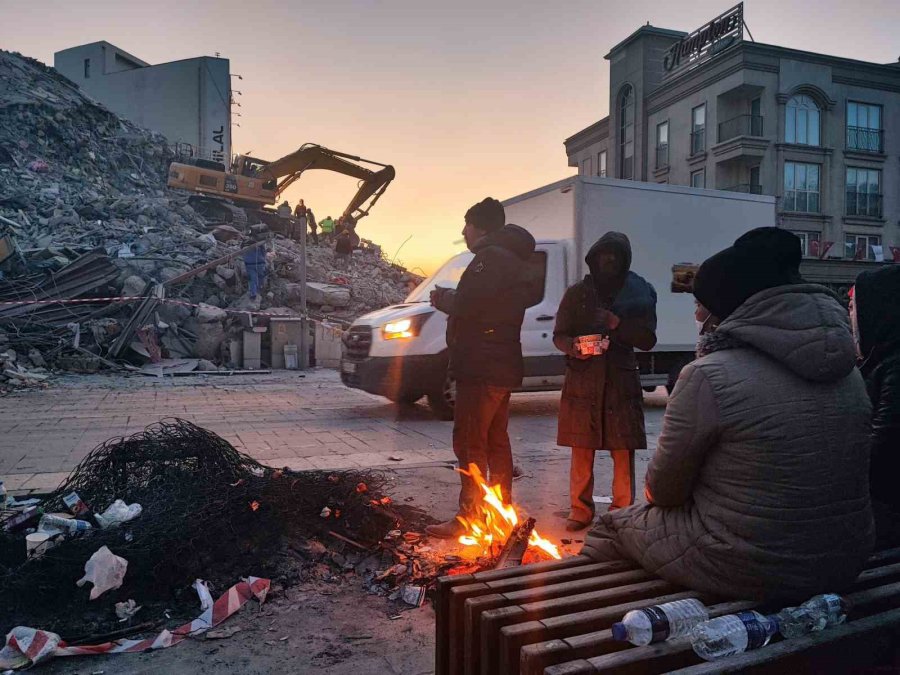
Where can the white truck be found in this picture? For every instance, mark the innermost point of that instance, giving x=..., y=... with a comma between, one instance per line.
x=401, y=352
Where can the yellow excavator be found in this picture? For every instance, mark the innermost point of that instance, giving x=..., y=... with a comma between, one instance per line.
x=239, y=194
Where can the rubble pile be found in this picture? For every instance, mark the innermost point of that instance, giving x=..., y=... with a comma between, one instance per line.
x=192, y=507
x=76, y=179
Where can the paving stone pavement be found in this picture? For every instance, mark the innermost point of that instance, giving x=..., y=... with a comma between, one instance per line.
x=301, y=421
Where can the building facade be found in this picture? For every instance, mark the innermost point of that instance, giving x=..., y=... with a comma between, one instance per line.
x=820, y=133
x=188, y=101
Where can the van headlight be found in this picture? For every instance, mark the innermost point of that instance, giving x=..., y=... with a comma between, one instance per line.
x=402, y=329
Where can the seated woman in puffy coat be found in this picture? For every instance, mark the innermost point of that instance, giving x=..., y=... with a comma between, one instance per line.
x=759, y=485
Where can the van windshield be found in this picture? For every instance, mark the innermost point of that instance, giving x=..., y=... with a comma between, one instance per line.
x=447, y=276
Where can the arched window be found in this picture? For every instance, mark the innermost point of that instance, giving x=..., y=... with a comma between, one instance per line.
x=626, y=132
x=801, y=121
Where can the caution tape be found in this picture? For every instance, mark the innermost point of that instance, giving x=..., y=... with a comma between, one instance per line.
x=136, y=298
x=26, y=647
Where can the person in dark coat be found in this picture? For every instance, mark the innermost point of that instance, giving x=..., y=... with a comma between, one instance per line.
x=313, y=226
x=875, y=317
x=483, y=337
x=602, y=400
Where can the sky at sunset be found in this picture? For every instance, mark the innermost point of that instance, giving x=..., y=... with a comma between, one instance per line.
x=466, y=98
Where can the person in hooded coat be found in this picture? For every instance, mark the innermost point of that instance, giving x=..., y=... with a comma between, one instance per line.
x=759, y=484
x=876, y=326
x=484, y=328
x=602, y=400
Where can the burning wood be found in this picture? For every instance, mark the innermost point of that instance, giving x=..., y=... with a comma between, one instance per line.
x=514, y=549
x=495, y=522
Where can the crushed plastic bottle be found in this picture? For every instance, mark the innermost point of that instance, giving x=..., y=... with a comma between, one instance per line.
x=660, y=622
x=732, y=634
x=813, y=615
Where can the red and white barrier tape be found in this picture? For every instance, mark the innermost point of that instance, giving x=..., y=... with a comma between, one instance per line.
x=26, y=647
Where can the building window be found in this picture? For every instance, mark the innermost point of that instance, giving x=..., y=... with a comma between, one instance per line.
x=863, y=247
x=755, y=184
x=864, y=127
x=626, y=132
x=586, y=166
x=698, y=129
x=601, y=163
x=801, y=124
x=87, y=69
x=810, y=242
x=801, y=187
x=662, y=145
x=864, y=192
x=698, y=178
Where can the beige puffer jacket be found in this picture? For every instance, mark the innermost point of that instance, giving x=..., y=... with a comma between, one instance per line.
x=759, y=485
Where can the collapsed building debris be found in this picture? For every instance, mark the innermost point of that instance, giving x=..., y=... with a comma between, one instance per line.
x=83, y=198
x=207, y=511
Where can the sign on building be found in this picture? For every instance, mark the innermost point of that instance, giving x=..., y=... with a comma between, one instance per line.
x=707, y=41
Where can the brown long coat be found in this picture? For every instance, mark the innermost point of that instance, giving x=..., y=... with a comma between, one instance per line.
x=602, y=402
x=759, y=485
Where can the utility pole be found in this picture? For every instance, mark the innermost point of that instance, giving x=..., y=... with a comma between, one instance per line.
x=304, y=322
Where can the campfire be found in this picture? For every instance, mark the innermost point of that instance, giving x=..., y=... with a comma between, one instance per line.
x=498, y=527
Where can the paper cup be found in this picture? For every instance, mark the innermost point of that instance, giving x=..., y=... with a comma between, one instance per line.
x=37, y=544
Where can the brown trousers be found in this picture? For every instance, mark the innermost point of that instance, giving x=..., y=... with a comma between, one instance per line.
x=480, y=419
x=581, y=482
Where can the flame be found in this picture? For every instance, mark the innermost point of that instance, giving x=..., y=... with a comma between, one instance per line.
x=495, y=520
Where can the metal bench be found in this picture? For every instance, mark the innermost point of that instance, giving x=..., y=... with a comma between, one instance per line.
x=555, y=618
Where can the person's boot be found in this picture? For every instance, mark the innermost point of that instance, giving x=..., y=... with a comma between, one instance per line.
x=452, y=529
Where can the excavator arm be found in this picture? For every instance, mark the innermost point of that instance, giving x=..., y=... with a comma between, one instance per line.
x=372, y=182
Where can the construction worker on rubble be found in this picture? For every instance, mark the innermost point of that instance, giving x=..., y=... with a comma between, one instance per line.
x=255, y=262
x=483, y=335
x=327, y=227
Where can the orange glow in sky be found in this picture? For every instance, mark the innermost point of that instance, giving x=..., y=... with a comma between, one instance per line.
x=466, y=99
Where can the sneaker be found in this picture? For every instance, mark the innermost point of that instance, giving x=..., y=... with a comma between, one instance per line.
x=449, y=530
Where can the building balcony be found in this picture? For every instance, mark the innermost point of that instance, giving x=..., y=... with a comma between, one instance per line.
x=742, y=125
x=746, y=188
x=863, y=139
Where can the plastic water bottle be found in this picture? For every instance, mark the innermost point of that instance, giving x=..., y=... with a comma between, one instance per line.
x=732, y=634
x=4, y=498
x=660, y=622
x=813, y=615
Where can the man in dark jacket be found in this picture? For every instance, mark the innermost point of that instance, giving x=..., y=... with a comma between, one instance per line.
x=483, y=336
x=602, y=403
x=876, y=327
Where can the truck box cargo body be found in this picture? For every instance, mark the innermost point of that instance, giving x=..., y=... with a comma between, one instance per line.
x=401, y=352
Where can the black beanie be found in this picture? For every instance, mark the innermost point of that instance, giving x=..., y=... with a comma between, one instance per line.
x=783, y=246
x=727, y=279
x=487, y=215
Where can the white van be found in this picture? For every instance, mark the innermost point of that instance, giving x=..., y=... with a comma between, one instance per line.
x=401, y=352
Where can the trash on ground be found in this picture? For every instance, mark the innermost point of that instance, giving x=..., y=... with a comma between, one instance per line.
x=126, y=610
x=117, y=513
x=105, y=570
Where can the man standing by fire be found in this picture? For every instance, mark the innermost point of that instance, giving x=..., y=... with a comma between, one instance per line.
x=601, y=319
x=483, y=336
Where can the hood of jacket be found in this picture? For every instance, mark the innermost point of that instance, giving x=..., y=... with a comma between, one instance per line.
x=877, y=318
x=803, y=326
x=618, y=244
x=513, y=238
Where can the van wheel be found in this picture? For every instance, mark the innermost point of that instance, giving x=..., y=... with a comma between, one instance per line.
x=443, y=401
x=649, y=390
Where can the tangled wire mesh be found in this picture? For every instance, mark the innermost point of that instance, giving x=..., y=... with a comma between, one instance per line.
x=209, y=511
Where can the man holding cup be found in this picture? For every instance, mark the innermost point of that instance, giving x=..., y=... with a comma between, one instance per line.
x=601, y=320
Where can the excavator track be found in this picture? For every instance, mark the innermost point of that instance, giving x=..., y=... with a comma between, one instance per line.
x=215, y=210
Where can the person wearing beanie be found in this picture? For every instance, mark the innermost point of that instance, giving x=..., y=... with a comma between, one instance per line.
x=601, y=404
x=759, y=487
x=483, y=339
x=876, y=328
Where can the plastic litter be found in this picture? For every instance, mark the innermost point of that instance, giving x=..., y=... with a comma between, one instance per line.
x=75, y=504
x=4, y=497
x=105, y=570
x=52, y=523
x=202, y=589
x=126, y=610
x=118, y=512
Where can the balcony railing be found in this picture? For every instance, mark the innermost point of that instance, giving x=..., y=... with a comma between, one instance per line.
x=746, y=188
x=863, y=204
x=865, y=139
x=662, y=156
x=698, y=141
x=742, y=125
